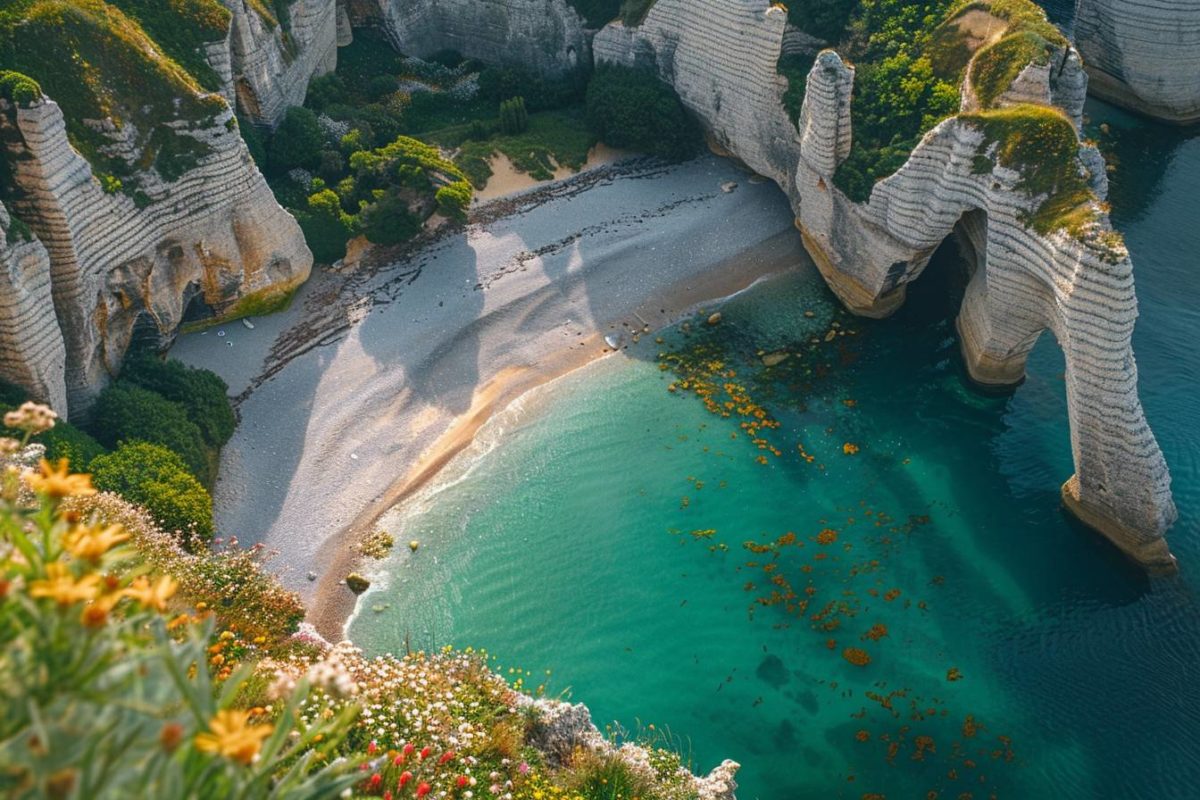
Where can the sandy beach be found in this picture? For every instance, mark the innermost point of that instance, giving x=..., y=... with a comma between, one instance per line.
x=377, y=376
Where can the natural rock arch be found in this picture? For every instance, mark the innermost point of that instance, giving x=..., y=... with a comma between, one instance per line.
x=1080, y=289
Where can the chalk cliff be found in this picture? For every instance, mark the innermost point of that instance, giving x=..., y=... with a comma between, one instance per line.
x=214, y=235
x=32, y=354
x=266, y=64
x=1144, y=54
x=720, y=56
x=546, y=36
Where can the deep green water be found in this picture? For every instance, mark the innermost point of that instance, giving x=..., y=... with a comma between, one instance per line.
x=565, y=543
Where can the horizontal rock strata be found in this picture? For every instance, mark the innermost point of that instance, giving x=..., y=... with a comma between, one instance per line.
x=215, y=234
x=545, y=36
x=1143, y=54
x=32, y=354
x=720, y=56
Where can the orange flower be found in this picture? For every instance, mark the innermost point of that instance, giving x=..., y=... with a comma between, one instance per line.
x=229, y=735
x=155, y=596
x=91, y=543
x=827, y=536
x=63, y=587
x=56, y=481
x=95, y=613
x=849, y=449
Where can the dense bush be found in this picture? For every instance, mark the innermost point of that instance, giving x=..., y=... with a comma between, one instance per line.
x=326, y=226
x=19, y=88
x=156, y=479
x=202, y=393
x=514, y=118
x=297, y=142
x=126, y=412
x=631, y=108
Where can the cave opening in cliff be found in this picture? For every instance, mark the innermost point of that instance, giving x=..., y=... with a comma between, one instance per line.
x=195, y=308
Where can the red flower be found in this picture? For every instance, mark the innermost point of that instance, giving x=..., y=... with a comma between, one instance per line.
x=425, y=751
x=446, y=756
x=462, y=781
x=398, y=760
x=405, y=777
x=371, y=748
x=387, y=795
x=423, y=789
x=376, y=779
x=408, y=749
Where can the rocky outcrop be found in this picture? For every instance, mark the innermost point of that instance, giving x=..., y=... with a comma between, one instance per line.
x=559, y=728
x=720, y=56
x=214, y=236
x=266, y=64
x=32, y=354
x=1143, y=54
x=546, y=36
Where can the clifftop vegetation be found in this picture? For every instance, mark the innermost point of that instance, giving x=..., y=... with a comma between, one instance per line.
x=911, y=58
x=99, y=62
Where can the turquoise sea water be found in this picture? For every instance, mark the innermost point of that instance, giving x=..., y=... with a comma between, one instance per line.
x=600, y=531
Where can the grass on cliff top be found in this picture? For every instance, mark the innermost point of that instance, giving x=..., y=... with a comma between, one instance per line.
x=182, y=28
x=98, y=63
x=1041, y=144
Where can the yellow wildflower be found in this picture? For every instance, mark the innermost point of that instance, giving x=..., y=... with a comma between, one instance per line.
x=95, y=613
x=56, y=481
x=155, y=596
x=229, y=735
x=91, y=543
x=63, y=587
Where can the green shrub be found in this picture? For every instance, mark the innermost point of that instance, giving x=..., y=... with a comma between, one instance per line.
x=157, y=479
x=631, y=108
x=514, y=118
x=326, y=226
x=202, y=393
x=125, y=412
x=325, y=90
x=18, y=88
x=66, y=441
x=389, y=220
x=297, y=142
x=182, y=28
x=254, y=142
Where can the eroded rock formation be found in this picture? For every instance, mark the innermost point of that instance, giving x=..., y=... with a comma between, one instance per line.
x=720, y=56
x=1143, y=54
x=267, y=64
x=115, y=264
x=546, y=36
x=32, y=354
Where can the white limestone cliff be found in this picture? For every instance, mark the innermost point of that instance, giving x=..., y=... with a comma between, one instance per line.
x=1143, y=54
x=215, y=234
x=32, y=354
x=266, y=68
x=545, y=36
x=720, y=56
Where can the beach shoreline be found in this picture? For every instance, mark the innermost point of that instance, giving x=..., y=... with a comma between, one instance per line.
x=359, y=395
x=331, y=609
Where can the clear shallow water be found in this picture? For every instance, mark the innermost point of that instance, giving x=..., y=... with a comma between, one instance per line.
x=599, y=531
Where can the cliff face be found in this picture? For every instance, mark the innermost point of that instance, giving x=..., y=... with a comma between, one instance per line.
x=1144, y=55
x=215, y=234
x=545, y=36
x=266, y=64
x=720, y=56
x=32, y=354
